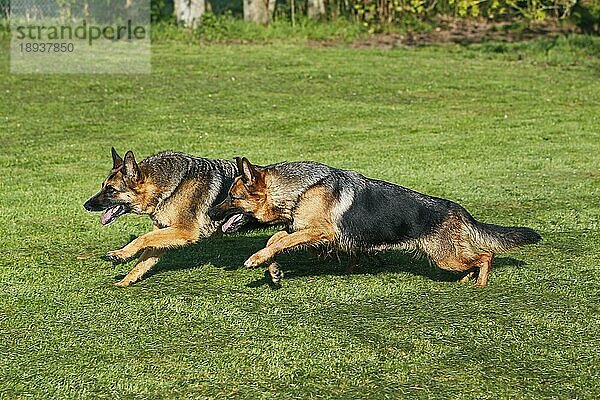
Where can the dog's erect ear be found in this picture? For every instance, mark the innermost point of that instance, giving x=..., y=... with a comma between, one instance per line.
x=239, y=164
x=117, y=160
x=249, y=173
x=130, y=167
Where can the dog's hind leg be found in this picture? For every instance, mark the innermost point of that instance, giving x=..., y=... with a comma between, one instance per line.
x=147, y=260
x=485, y=264
x=452, y=249
x=481, y=261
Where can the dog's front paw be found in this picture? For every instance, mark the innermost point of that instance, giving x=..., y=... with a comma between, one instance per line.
x=117, y=256
x=252, y=262
x=258, y=258
x=132, y=277
x=124, y=282
x=275, y=274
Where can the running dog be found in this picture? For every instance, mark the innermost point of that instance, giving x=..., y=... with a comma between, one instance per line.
x=175, y=190
x=342, y=210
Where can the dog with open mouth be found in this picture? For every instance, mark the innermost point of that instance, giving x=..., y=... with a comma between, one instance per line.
x=322, y=206
x=176, y=191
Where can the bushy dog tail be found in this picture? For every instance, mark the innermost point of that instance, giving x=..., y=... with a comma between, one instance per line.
x=496, y=238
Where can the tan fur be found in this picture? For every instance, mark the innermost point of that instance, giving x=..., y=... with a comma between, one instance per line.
x=177, y=204
x=276, y=237
x=275, y=273
x=316, y=204
x=160, y=239
x=147, y=260
x=146, y=195
x=312, y=226
x=255, y=199
x=313, y=221
x=451, y=249
x=449, y=246
x=181, y=230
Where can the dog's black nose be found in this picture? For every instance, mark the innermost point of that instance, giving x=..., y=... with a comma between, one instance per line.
x=91, y=204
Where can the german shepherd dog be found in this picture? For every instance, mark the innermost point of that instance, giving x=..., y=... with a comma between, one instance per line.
x=343, y=210
x=176, y=191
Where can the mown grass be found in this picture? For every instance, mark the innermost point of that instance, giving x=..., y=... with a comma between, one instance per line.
x=513, y=139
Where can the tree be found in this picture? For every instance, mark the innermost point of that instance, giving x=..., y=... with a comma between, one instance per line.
x=259, y=11
x=315, y=8
x=189, y=12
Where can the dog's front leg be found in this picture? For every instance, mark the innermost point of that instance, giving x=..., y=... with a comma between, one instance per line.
x=310, y=236
x=160, y=239
x=276, y=237
x=147, y=260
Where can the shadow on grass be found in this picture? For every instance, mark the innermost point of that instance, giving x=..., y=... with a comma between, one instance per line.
x=301, y=265
x=226, y=252
x=229, y=253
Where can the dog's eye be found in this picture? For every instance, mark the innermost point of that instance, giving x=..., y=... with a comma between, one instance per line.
x=109, y=189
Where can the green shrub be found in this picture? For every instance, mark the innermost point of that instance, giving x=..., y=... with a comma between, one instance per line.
x=161, y=10
x=586, y=15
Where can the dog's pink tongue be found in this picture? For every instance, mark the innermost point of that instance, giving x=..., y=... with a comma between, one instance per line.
x=107, y=216
x=233, y=219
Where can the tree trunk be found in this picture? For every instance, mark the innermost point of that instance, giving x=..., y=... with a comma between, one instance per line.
x=189, y=12
x=259, y=11
x=315, y=8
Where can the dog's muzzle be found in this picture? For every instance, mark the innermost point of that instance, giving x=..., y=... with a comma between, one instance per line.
x=93, y=205
x=233, y=218
x=111, y=211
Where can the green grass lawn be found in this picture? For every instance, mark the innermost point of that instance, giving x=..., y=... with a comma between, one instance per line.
x=510, y=132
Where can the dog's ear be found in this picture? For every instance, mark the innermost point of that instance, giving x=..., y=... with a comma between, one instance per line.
x=117, y=160
x=131, y=168
x=239, y=164
x=248, y=171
